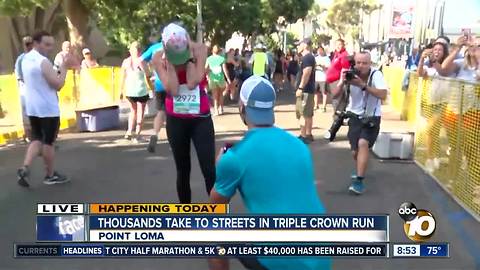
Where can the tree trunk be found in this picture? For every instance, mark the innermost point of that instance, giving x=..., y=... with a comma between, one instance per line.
x=77, y=19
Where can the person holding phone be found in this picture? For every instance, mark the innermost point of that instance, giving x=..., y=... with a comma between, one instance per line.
x=181, y=67
x=255, y=166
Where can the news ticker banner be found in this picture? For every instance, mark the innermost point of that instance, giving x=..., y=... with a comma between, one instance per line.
x=84, y=250
x=374, y=250
x=144, y=223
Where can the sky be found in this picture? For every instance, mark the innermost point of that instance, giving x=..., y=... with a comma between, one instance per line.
x=461, y=13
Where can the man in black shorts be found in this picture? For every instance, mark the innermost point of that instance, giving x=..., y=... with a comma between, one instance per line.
x=42, y=82
x=367, y=90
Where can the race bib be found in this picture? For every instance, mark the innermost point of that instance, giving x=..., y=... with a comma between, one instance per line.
x=217, y=70
x=187, y=101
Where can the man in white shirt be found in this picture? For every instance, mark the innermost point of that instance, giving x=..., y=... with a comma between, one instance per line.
x=42, y=82
x=367, y=90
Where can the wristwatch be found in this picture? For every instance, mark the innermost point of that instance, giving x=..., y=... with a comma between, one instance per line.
x=364, y=87
x=192, y=60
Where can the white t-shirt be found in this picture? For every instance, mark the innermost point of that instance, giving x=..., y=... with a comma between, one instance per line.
x=40, y=98
x=320, y=75
x=358, y=98
x=465, y=73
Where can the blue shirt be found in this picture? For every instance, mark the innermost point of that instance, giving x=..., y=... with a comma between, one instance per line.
x=273, y=171
x=147, y=57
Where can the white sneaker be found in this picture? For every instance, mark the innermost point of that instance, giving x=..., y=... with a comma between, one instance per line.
x=327, y=135
x=429, y=166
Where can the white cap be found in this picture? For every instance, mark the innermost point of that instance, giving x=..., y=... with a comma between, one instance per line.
x=86, y=50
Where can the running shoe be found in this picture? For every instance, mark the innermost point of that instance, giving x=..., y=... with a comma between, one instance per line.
x=56, y=178
x=22, y=175
x=152, y=144
x=303, y=139
x=357, y=187
x=309, y=138
x=327, y=135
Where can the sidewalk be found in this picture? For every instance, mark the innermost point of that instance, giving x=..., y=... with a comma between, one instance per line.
x=105, y=168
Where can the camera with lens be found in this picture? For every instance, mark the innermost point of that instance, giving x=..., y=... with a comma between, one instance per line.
x=368, y=122
x=350, y=73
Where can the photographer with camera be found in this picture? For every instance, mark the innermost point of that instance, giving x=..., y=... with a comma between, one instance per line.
x=366, y=87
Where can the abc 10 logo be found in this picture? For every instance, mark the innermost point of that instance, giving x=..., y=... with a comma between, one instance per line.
x=419, y=224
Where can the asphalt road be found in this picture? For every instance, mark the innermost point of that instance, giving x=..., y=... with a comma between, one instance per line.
x=104, y=168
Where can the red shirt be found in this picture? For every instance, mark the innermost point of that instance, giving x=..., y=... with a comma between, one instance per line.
x=339, y=61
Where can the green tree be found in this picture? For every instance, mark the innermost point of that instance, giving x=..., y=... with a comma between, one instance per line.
x=123, y=21
x=223, y=17
x=344, y=15
x=75, y=13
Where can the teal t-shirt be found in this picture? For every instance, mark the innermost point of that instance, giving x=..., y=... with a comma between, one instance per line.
x=215, y=64
x=273, y=170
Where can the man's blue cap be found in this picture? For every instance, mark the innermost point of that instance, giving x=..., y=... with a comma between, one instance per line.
x=258, y=96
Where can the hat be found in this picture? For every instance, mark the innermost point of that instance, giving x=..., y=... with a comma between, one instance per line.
x=86, y=50
x=258, y=96
x=260, y=46
x=175, y=41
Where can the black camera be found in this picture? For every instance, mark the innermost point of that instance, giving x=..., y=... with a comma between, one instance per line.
x=350, y=74
x=368, y=122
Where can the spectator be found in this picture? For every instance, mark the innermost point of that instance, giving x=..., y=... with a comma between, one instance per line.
x=322, y=63
x=412, y=60
x=65, y=53
x=256, y=167
x=42, y=83
x=430, y=65
x=231, y=74
x=279, y=71
x=292, y=69
x=306, y=91
x=467, y=68
x=27, y=47
x=88, y=61
x=339, y=62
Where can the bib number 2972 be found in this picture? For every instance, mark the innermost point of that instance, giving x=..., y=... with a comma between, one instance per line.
x=187, y=101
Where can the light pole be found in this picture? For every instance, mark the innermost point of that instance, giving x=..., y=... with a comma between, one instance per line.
x=199, y=21
x=282, y=27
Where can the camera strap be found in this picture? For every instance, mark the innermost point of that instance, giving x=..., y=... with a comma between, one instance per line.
x=367, y=95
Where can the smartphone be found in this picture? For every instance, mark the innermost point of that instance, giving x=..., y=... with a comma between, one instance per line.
x=226, y=147
x=466, y=32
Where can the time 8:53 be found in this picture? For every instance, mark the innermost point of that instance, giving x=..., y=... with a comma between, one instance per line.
x=407, y=250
